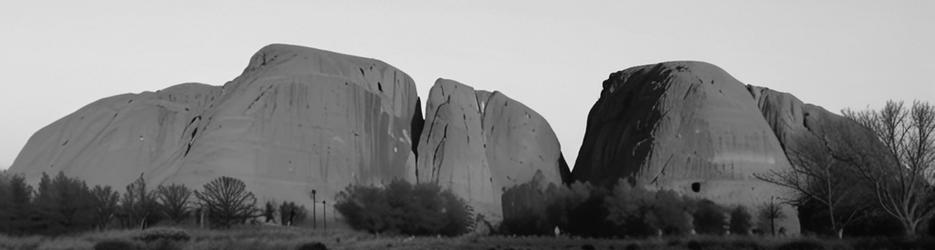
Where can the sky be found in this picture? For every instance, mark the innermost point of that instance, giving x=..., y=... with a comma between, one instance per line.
x=56, y=57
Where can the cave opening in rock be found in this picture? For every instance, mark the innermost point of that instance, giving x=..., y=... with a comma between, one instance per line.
x=696, y=187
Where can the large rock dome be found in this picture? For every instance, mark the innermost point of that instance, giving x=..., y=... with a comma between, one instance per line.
x=688, y=127
x=297, y=119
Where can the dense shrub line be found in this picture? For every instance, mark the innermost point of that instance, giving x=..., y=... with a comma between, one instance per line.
x=404, y=208
x=536, y=208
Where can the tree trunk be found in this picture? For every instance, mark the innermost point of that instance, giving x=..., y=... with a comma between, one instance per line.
x=909, y=228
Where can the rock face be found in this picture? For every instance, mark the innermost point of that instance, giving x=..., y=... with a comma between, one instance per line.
x=480, y=143
x=688, y=127
x=297, y=119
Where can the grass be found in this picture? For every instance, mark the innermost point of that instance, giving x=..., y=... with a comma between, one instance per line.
x=275, y=237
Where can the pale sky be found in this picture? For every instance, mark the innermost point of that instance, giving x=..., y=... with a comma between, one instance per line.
x=56, y=57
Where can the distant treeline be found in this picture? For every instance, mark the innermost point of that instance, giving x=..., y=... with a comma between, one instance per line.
x=62, y=205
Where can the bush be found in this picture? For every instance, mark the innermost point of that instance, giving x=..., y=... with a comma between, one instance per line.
x=138, y=207
x=116, y=244
x=312, y=246
x=400, y=207
x=638, y=212
x=709, y=218
x=740, y=221
x=156, y=234
x=291, y=213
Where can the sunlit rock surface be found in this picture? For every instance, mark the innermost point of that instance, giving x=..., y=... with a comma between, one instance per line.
x=688, y=127
x=480, y=143
x=297, y=119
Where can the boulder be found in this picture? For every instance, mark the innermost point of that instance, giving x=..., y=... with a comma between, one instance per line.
x=688, y=127
x=297, y=119
x=481, y=143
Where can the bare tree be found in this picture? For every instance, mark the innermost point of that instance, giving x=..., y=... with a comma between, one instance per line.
x=901, y=175
x=173, y=200
x=769, y=213
x=815, y=175
x=227, y=201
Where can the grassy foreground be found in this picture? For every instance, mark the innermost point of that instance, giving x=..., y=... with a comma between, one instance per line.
x=274, y=237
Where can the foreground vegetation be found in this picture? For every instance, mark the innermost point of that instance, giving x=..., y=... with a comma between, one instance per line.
x=278, y=237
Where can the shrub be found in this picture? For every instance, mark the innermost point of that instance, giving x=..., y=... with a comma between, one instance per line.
x=740, y=221
x=400, y=207
x=115, y=244
x=709, y=218
x=138, y=208
x=292, y=213
x=638, y=212
x=227, y=201
x=523, y=212
x=312, y=246
x=104, y=202
x=156, y=234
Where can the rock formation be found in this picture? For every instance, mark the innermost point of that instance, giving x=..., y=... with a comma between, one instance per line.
x=480, y=143
x=300, y=119
x=688, y=127
x=297, y=119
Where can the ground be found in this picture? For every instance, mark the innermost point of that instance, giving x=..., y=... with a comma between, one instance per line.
x=275, y=237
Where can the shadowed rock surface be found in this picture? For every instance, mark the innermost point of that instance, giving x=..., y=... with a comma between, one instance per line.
x=683, y=126
x=480, y=143
x=297, y=119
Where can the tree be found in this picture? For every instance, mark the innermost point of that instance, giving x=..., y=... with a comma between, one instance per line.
x=740, y=221
x=900, y=175
x=816, y=175
x=104, y=202
x=5, y=202
x=709, y=218
x=138, y=208
x=638, y=212
x=174, y=201
x=291, y=213
x=269, y=211
x=20, y=213
x=769, y=213
x=73, y=204
x=227, y=201
x=400, y=207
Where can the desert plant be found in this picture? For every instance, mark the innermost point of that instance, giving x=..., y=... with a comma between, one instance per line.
x=269, y=211
x=138, y=207
x=769, y=213
x=421, y=209
x=157, y=234
x=227, y=201
x=291, y=213
x=174, y=201
x=116, y=244
x=709, y=218
x=740, y=223
x=639, y=212
x=900, y=174
x=104, y=202
x=312, y=246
